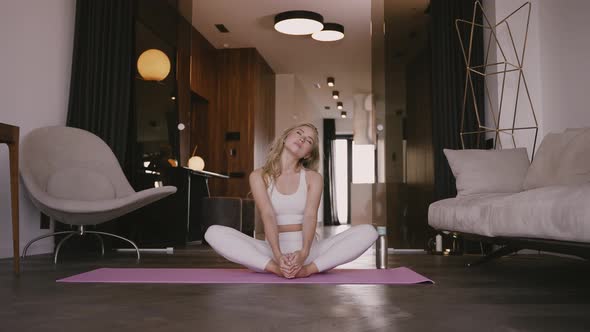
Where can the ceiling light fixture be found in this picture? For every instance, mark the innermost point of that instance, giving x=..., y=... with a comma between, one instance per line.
x=339, y=105
x=343, y=114
x=299, y=22
x=330, y=32
x=153, y=65
x=335, y=94
x=331, y=81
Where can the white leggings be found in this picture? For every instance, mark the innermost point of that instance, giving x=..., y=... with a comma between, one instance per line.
x=325, y=254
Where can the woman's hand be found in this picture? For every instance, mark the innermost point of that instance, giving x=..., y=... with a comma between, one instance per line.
x=296, y=260
x=284, y=262
x=286, y=266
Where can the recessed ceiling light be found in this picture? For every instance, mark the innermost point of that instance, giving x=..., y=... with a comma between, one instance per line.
x=343, y=114
x=326, y=107
x=299, y=22
x=331, y=81
x=339, y=105
x=317, y=85
x=335, y=94
x=330, y=32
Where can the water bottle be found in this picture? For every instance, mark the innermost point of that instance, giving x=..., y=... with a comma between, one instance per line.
x=381, y=248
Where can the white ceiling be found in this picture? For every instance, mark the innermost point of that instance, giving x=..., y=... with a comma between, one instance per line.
x=251, y=25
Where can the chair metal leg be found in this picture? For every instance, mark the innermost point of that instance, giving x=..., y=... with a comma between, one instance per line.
x=118, y=237
x=59, y=246
x=101, y=244
x=42, y=237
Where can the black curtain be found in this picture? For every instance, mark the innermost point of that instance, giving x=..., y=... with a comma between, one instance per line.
x=330, y=212
x=102, y=71
x=448, y=84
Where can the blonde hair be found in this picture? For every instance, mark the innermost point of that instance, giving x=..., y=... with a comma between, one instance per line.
x=272, y=167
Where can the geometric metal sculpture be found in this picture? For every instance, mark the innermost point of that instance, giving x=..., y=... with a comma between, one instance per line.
x=508, y=62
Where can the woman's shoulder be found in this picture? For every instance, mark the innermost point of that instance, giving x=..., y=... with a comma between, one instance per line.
x=313, y=176
x=256, y=174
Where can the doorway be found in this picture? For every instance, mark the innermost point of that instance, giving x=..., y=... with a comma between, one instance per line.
x=343, y=176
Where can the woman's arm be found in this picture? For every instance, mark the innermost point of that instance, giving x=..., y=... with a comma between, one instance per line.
x=267, y=213
x=310, y=215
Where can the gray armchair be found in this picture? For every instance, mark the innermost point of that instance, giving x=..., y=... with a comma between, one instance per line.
x=72, y=176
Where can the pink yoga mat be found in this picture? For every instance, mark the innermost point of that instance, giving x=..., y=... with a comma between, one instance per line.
x=400, y=275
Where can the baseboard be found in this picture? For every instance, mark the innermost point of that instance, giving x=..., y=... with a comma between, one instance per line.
x=402, y=251
x=406, y=251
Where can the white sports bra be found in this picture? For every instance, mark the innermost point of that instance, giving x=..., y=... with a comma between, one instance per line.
x=289, y=208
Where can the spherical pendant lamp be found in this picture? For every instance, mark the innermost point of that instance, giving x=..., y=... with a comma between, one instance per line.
x=153, y=65
x=299, y=22
x=330, y=32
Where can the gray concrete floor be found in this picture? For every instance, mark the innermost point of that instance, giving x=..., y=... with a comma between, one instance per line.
x=516, y=293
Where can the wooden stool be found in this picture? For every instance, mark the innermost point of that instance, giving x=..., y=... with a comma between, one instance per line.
x=10, y=135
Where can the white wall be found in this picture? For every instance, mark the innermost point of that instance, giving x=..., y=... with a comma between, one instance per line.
x=344, y=126
x=37, y=40
x=565, y=50
x=284, y=101
x=555, y=63
x=497, y=10
x=361, y=203
x=293, y=105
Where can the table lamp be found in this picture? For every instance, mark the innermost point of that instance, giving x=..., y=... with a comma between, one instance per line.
x=195, y=162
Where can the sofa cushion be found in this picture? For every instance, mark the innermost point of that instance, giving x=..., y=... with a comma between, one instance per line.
x=574, y=165
x=80, y=184
x=488, y=171
x=555, y=213
x=548, y=168
x=466, y=214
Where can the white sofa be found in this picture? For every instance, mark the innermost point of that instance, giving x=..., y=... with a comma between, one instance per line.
x=502, y=198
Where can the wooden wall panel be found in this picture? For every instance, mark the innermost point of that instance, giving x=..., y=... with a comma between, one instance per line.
x=208, y=124
x=237, y=101
x=246, y=98
x=183, y=98
x=264, y=115
x=203, y=66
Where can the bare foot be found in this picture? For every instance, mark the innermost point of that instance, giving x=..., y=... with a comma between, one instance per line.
x=274, y=268
x=307, y=270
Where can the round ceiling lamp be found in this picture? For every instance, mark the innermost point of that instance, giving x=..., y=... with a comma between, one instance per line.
x=153, y=65
x=331, y=32
x=299, y=22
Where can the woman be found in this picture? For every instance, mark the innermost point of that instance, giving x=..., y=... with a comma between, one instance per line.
x=287, y=191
